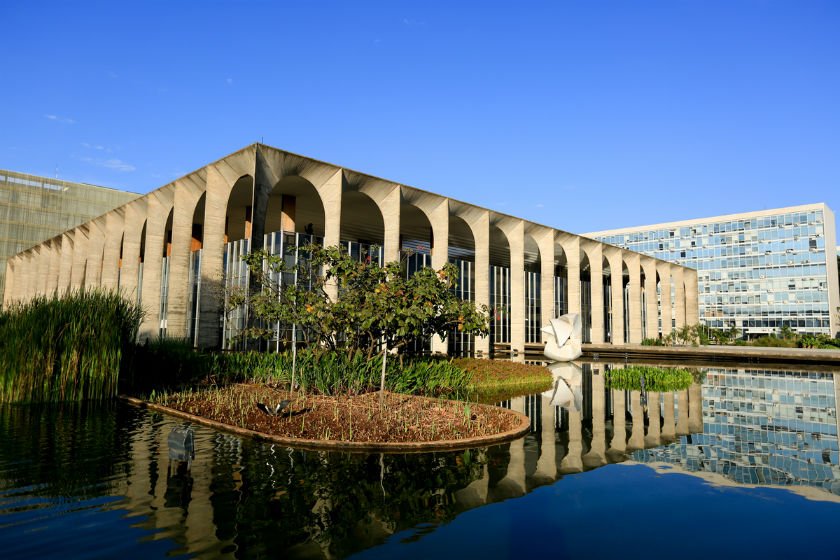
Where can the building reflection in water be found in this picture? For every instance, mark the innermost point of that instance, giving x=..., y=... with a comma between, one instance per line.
x=243, y=498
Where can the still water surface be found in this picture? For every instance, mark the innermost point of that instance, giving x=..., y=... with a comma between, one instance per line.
x=744, y=463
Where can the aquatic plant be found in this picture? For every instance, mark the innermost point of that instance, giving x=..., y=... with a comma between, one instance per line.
x=66, y=348
x=656, y=379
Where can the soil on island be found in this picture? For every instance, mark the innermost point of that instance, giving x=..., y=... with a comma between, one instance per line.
x=359, y=418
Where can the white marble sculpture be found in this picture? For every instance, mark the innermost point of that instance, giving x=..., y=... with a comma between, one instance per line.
x=565, y=334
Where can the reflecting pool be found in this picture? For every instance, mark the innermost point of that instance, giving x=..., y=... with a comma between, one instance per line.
x=743, y=462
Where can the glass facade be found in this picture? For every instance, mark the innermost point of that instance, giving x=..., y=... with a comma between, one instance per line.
x=34, y=209
x=757, y=272
x=762, y=427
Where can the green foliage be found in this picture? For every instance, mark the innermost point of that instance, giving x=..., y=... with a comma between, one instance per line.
x=164, y=363
x=374, y=303
x=67, y=348
x=658, y=380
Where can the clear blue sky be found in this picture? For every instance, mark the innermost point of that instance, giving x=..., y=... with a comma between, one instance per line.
x=581, y=115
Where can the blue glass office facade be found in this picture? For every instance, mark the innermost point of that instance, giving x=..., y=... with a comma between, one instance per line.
x=757, y=271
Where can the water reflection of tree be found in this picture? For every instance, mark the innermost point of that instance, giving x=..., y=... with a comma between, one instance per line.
x=279, y=500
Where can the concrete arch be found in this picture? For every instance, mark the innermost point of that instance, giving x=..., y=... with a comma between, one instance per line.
x=586, y=291
x=478, y=221
x=95, y=251
x=187, y=214
x=514, y=232
x=560, y=305
x=159, y=216
x=133, y=239
x=634, y=307
x=80, y=247
x=229, y=187
x=112, y=250
x=361, y=219
x=387, y=197
x=666, y=308
x=651, y=312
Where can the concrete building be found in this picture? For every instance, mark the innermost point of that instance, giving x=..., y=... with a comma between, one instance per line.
x=757, y=271
x=35, y=208
x=177, y=248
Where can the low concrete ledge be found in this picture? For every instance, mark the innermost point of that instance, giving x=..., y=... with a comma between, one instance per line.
x=748, y=355
x=351, y=446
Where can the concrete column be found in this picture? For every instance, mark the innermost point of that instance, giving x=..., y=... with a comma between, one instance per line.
x=695, y=408
x=515, y=233
x=80, y=253
x=389, y=205
x=679, y=295
x=55, y=264
x=617, y=289
x=42, y=264
x=635, y=298
x=114, y=226
x=439, y=218
x=96, y=245
x=479, y=223
x=682, y=413
x=547, y=463
x=513, y=484
x=637, y=431
x=160, y=203
x=65, y=266
x=218, y=190
x=573, y=461
x=597, y=455
x=187, y=195
x=664, y=270
x=330, y=192
x=618, y=444
x=9, y=284
x=596, y=273
x=545, y=242
x=571, y=246
x=654, y=432
x=652, y=307
x=692, y=313
x=668, y=427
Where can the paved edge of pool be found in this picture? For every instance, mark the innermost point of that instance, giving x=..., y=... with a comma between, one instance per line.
x=351, y=446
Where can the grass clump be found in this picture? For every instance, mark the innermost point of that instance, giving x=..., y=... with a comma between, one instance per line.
x=67, y=348
x=657, y=380
x=500, y=377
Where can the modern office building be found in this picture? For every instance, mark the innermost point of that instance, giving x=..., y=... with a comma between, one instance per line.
x=176, y=249
x=757, y=271
x=34, y=208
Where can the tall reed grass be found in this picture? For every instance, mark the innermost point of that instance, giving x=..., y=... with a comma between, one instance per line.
x=66, y=348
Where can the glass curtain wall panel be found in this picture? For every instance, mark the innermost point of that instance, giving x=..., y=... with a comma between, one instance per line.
x=33, y=209
x=237, y=277
x=499, y=305
x=193, y=304
x=626, y=296
x=533, y=309
x=164, y=296
x=561, y=292
x=586, y=309
x=459, y=343
x=608, y=313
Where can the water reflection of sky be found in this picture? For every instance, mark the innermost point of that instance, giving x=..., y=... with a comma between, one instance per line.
x=750, y=454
